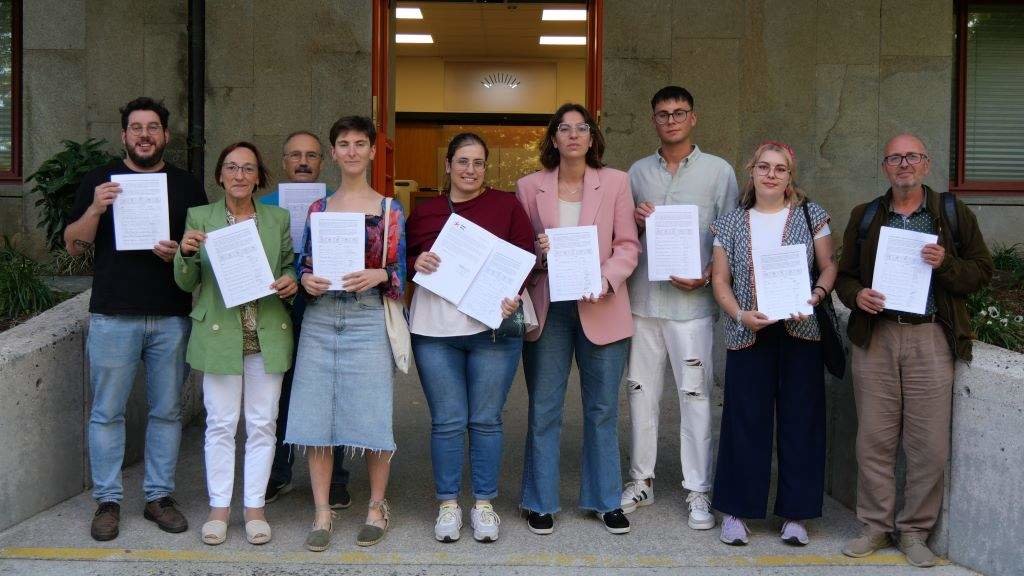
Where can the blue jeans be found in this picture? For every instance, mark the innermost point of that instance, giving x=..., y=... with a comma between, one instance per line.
x=115, y=346
x=466, y=380
x=546, y=363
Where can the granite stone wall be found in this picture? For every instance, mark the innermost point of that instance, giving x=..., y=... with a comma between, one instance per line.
x=83, y=59
x=276, y=67
x=833, y=78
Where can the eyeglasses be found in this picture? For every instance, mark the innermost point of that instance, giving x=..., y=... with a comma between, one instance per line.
x=298, y=156
x=913, y=159
x=565, y=128
x=232, y=169
x=138, y=129
x=677, y=115
x=465, y=163
x=763, y=169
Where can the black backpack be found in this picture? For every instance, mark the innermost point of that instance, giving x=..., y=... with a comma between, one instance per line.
x=948, y=201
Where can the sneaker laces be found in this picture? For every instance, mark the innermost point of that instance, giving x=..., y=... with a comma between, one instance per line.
x=731, y=522
x=635, y=489
x=487, y=515
x=448, y=514
x=699, y=501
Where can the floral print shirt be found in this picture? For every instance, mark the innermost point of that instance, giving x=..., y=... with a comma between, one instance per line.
x=395, y=286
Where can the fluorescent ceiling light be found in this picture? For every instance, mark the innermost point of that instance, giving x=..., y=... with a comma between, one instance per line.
x=414, y=39
x=563, y=15
x=563, y=40
x=408, y=14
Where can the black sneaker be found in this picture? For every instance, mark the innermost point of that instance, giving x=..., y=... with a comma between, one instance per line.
x=339, y=498
x=615, y=521
x=540, y=523
x=277, y=489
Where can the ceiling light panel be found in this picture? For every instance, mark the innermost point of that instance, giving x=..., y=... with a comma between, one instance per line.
x=563, y=15
x=408, y=14
x=563, y=40
x=414, y=39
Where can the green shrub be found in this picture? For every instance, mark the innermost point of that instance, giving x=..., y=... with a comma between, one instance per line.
x=1010, y=260
x=22, y=292
x=58, y=178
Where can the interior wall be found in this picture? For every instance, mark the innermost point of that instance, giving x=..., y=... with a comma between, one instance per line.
x=439, y=84
x=420, y=150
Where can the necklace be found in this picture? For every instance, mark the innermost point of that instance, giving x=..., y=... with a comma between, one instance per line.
x=570, y=192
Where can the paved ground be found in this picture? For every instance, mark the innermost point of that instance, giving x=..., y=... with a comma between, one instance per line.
x=57, y=541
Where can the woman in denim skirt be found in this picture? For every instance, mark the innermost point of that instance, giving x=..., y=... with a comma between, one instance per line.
x=342, y=391
x=465, y=367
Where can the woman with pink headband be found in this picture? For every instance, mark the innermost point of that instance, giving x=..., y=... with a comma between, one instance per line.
x=774, y=372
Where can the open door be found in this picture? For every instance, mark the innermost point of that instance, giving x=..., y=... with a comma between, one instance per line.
x=595, y=45
x=383, y=180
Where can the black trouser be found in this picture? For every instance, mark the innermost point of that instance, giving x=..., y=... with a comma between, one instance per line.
x=284, y=456
x=779, y=380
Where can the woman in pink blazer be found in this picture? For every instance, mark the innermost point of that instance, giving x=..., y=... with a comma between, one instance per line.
x=575, y=189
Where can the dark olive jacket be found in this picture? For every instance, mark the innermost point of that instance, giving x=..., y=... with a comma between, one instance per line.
x=962, y=271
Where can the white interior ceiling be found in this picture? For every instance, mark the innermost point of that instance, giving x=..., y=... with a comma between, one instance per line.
x=469, y=29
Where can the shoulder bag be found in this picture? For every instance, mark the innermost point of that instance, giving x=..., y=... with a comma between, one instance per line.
x=832, y=348
x=394, y=311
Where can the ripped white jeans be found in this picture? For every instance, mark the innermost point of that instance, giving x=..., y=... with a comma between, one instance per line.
x=687, y=346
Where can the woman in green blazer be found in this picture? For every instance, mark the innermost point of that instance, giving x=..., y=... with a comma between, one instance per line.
x=243, y=351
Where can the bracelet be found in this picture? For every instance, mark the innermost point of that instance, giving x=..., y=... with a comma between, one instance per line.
x=824, y=292
x=739, y=317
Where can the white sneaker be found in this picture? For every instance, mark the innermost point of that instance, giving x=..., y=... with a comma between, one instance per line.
x=636, y=493
x=701, y=517
x=485, y=523
x=448, y=524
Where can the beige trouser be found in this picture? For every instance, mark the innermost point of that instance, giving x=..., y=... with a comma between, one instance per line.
x=903, y=383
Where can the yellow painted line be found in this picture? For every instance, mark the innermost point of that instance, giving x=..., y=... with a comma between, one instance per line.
x=443, y=558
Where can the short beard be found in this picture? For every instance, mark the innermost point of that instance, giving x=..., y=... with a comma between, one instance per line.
x=146, y=162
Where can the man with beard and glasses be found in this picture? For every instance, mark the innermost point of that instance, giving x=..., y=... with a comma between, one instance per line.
x=301, y=159
x=137, y=313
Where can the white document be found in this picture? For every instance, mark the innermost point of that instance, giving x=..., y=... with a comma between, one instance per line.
x=296, y=198
x=339, y=244
x=462, y=247
x=782, y=282
x=502, y=274
x=239, y=263
x=140, y=211
x=574, y=265
x=900, y=272
x=673, y=243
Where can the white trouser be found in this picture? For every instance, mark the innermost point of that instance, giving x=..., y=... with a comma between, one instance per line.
x=687, y=345
x=223, y=396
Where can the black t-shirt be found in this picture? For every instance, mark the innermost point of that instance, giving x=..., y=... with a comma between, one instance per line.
x=137, y=281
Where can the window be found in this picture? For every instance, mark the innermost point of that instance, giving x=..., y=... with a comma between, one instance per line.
x=10, y=90
x=989, y=123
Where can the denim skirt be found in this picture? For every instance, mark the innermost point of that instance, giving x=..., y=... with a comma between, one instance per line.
x=343, y=386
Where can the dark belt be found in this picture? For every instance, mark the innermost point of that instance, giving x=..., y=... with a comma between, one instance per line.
x=906, y=318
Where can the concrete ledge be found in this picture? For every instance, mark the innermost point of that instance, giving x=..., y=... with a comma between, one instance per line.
x=45, y=386
x=982, y=521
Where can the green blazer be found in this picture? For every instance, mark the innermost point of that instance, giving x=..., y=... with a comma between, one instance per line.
x=215, y=345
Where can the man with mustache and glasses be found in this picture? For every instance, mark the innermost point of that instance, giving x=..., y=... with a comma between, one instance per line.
x=301, y=156
x=137, y=313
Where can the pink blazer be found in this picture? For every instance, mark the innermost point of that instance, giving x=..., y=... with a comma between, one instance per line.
x=607, y=204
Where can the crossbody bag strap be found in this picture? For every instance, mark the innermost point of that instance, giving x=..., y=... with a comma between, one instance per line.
x=810, y=229
x=387, y=220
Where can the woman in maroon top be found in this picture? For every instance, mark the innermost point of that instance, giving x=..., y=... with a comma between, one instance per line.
x=465, y=367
